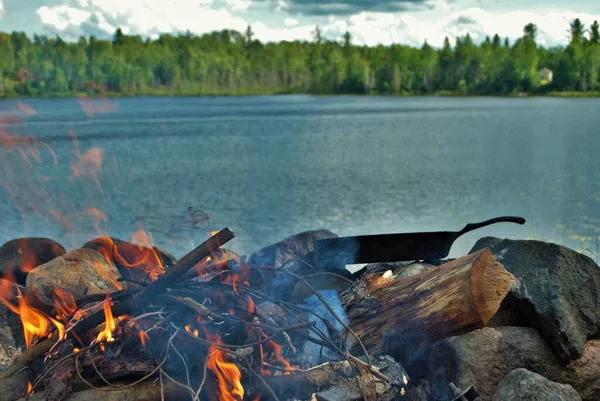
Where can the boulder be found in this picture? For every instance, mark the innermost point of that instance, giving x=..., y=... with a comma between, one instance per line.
x=483, y=357
x=8, y=347
x=135, y=262
x=523, y=385
x=19, y=256
x=11, y=327
x=296, y=247
x=80, y=272
x=557, y=291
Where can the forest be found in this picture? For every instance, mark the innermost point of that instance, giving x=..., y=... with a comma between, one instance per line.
x=234, y=63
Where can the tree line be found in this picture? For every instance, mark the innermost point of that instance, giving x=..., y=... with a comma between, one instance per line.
x=230, y=62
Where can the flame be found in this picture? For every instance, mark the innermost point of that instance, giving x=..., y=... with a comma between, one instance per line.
x=25, y=108
x=30, y=388
x=139, y=261
x=228, y=375
x=35, y=323
x=93, y=106
x=98, y=216
x=88, y=164
x=64, y=303
x=144, y=338
x=141, y=238
x=188, y=328
x=100, y=269
x=213, y=233
x=275, y=350
x=106, y=334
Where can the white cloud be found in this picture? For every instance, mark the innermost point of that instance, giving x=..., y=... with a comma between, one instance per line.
x=2, y=12
x=144, y=17
x=374, y=28
x=239, y=5
x=62, y=17
x=290, y=22
x=264, y=33
x=152, y=17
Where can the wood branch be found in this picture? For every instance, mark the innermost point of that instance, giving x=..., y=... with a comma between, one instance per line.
x=28, y=356
x=159, y=286
x=14, y=387
x=396, y=316
x=146, y=391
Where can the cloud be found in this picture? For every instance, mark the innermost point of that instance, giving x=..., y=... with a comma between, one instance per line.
x=239, y=5
x=143, y=17
x=2, y=12
x=150, y=18
x=387, y=28
x=290, y=22
x=350, y=7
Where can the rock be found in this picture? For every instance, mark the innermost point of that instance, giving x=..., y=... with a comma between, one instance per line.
x=11, y=327
x=14, y=387
x=320, y=282
x=294, y=247
x=8, y=347
x=483, y=357
x=19, y=256
x=80, y=272
x=523, y=385
x=135, y=262
x=299, y=246
x=557, y=291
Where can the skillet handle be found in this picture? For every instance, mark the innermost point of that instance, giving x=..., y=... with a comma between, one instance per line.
x=504, y=219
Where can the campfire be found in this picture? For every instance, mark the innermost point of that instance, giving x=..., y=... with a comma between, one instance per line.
x=199, y=328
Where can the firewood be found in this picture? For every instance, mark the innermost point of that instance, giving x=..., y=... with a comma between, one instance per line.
x=147, y=391
x=396, y=316
x=14, y=387
x=28, y=356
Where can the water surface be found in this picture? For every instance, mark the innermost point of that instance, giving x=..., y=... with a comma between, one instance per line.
x=268, y=167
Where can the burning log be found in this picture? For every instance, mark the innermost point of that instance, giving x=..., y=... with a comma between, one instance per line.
x=393, y=316
x=146, y=391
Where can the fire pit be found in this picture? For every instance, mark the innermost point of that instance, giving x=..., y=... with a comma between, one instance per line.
x=198, y=329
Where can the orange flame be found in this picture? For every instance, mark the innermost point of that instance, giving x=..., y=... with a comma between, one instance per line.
x=228, y=375
x=188, y=328
x=35, y=323
x=140, y=262
x=106, y=334
x=30, y=388
x=276, y=357
x=144, y=338
x=64, y=303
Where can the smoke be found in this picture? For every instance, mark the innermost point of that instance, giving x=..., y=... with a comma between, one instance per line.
x=313, y=353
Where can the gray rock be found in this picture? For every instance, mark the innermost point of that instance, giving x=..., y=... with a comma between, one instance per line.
x=285, y=252
x=483, y=357
x=21, y=255
x=523, y=385
x=8, y=347
x=557, y=291
x=294, y=247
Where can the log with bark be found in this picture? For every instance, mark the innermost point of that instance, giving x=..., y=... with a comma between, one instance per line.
x=397, y=316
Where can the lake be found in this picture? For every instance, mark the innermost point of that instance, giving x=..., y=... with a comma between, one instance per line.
x=268, y=167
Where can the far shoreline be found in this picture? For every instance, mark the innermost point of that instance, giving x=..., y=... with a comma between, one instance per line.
x=115, y=95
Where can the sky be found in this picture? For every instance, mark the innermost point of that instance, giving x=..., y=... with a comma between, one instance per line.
x=370, y=22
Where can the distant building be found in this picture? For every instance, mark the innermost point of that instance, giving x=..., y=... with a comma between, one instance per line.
x=545, y=75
